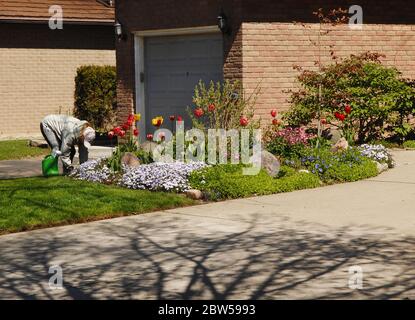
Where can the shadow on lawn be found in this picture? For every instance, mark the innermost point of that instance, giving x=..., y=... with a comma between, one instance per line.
x=145, y=259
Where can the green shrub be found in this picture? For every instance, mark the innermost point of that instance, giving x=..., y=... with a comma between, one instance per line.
x=228, y=182
x=410, y=144
x=349, y=173
x=345, y=166
x=359, y=94
x=387, y=144
x=95, y=96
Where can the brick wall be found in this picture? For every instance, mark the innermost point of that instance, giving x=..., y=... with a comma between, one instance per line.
x=270, y=50
x=37, y=74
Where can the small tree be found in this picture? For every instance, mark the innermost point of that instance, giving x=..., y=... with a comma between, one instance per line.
x=327, y=21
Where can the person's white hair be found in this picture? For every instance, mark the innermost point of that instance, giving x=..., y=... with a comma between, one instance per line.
x=89, y=136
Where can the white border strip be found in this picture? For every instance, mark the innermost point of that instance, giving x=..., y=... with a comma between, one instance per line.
x=177, y=31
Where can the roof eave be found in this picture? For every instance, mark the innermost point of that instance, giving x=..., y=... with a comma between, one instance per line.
x=66, y=20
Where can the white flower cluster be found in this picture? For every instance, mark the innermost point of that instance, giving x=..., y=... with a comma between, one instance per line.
x=377, y=153
x=160, y=176
x=93, y=171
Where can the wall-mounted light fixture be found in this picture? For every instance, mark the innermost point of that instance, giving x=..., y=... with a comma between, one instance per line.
x=119, y=33
x=223, y=23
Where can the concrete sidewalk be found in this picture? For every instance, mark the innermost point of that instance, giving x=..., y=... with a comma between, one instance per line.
x=11, y=169
x=299, y=245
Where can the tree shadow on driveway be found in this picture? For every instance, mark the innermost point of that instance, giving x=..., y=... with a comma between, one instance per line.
x=179, y=257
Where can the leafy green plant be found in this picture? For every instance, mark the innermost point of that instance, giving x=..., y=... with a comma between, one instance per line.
x=95, y=96
x=228, y=182
x=358, y=94
x=410, y=144
x=345, y=166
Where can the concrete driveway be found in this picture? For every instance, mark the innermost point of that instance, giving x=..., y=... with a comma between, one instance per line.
x=299, y=245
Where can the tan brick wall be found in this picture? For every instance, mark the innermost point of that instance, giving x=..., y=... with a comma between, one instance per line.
x=271, y=49
x=37, y=82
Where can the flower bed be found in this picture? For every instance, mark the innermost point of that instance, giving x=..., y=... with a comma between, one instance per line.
x=154, y=176
x=160, y=176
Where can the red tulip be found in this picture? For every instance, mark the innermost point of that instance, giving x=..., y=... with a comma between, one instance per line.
x=276, y=122
x=136, y=132
x=211, y=107
x=111, y=134
x=243, y=121
x=274, y=113
x=130, y=120
x=149, y=137
x=340, y=116
x=179, y=119
x=172, y=118
x=198, y=112
x=125, y=126
x=117, y=130
x=122, y=133
x=348, y=109
x=323, y=121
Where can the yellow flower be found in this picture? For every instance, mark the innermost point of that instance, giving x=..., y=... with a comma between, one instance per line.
x=137, y=117
x=157, y=121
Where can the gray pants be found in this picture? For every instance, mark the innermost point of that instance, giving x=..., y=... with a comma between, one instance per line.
x=53, y=141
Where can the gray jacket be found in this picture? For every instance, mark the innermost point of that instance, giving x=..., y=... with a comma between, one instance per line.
x=68, y=130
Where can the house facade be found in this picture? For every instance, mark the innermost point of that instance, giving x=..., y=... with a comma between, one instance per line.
x=38, y=64
x=168, y=45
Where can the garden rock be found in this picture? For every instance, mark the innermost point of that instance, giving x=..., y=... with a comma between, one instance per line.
x=38, y=143
x=269, y=163
x=148, y=146
x=334, y=135
x=382, y=167
x=194, y=194
x=341, y=145
x=130, y=160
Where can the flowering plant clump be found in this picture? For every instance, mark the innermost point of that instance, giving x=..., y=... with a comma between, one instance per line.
x=157, y=121
x=94, y=171
x=160, y=176
x=127, y=128
x=288, y=143
x=348, y=165
x=320, y=161
x=294, y=135
x=377, y=153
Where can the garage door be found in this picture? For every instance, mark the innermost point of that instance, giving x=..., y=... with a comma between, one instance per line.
x=174, y=66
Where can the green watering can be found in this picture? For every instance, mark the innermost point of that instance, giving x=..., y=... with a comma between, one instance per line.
x=50, y=166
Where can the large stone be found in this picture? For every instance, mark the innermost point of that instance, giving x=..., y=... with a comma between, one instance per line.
x=382, y=167
x=38, y=143
x=130, y=160
x=194, y=194
x=341, y=145
x=332, y=134
x=269, y=163
x=148, y=146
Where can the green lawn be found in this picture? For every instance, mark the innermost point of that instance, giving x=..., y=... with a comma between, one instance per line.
x=39, y=202
x=18, y=149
